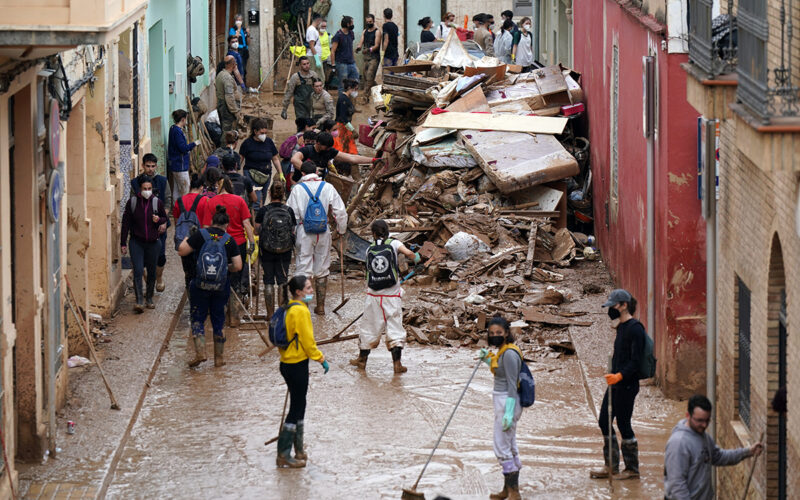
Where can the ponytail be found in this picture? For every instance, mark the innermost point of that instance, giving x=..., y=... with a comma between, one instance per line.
x=220, y=218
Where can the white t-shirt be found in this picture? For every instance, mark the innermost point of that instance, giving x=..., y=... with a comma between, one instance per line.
x=392, y=290
x=312, y=37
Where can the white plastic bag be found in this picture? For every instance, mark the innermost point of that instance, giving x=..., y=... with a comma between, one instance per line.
x=463, y=245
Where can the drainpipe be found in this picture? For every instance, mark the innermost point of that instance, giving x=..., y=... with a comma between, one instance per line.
x=709, y=192
x=227, y=22
x=649, y=83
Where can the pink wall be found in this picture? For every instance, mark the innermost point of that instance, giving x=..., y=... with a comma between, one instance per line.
x=679, y=226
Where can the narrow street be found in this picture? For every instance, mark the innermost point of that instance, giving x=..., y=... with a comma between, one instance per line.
x=201, y=432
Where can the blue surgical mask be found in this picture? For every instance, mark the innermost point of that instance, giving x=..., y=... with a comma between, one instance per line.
x=308, y=298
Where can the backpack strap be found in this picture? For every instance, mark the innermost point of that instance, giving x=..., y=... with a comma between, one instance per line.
x=319, y=190
x=133, y=204
x=205, y=234
x=181, y=206
x=311, y=196
x=195, y=203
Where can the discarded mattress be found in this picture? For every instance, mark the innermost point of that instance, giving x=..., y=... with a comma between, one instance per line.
x=514, y=161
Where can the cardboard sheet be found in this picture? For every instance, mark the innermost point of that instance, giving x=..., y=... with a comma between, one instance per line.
x=483, y=121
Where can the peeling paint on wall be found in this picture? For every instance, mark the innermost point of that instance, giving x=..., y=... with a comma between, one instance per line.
x=679, y=180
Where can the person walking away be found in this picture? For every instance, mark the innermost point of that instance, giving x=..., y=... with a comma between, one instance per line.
x=391, y=34
x=426, y=35
x=178, y=149
x=448, y=23
x=242, y=186
x=505, y=366
x=227, y=106
x=322, y=107
x=141, y=220
x=260, y=156
x=508, y=15
x=691, y=453
x=241, y=33
x=192, y=206
x=300, y=89
x=241, y=231
x=483, y=36
x=370, y=43
x=229, y=148
x=233, y=51
x=275, y=227
x=211, y=178
x=312, y=200
x=345, y=109
x=503, y=44
x=314, y=46
x=149, y=166
x=322, y=152
x=217, y=257
x=522, y=53
x=325, y=44
x=342, y=59
x=629, y=347
x=383, y=307
x=294, y=369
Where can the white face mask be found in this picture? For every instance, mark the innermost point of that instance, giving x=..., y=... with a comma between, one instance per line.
x=238, y=24
x=354, y=93
x=235, y=45
x=527, y=27
x=261, y=137
x=147, y=194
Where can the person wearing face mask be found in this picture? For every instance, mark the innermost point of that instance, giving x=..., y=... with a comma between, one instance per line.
x=371, y=44
x=325, y=47
x=490, y=25
x=345, y=109
x=241, y=33
x=483, y=36
x=503, y=44
x=426, y=35
x=233, y=51
x=260, y=156
x=300, y=89
x=149, y=166
x=522, y=53
x=342, y=58
x=323, y=152
x=294, y=369
x=142, y=219
x=629, y=347
x=448, y=23
x=225, y=85
x=506, y=365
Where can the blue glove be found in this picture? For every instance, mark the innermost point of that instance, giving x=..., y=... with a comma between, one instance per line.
x=326, y=366
x=244, y=87
x=318, y=60
x=417, y=258
x=508, y=416
x=484, y=356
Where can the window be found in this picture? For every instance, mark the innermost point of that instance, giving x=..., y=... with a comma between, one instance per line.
x=743, y=359
x=753, y=91
x=614, y=132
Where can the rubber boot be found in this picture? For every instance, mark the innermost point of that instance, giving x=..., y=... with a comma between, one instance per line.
x=361, y=361
x=603, y=473
x=397, y=353
x=138, y=306
x=269, y=299
x=299, y=451
x=283, y=295
x=320, y=289
x=160, y=285
x=285, y=441
x=512, y=483
x=234, y=309
x=219, y=351
x=200, y=351
x=501, y=495
x=630, y=453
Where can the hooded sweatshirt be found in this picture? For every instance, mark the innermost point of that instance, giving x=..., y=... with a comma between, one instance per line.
x=688, y=460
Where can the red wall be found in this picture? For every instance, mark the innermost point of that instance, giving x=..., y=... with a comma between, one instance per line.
x=679, y=329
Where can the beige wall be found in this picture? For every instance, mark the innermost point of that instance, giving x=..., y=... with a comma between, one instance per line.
x=68, y=12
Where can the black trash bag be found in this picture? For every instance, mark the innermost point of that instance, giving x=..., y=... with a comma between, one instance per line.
x=215, y=131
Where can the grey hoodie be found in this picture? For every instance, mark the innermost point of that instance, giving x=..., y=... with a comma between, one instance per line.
x=688, y=460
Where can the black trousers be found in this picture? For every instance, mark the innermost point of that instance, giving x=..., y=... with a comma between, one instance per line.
x=296, y=377
x=622, y=399
x=276, y=267
x=189, y=263
x=240, y=280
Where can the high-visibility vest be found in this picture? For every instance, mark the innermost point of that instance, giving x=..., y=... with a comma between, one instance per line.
x=325, y=42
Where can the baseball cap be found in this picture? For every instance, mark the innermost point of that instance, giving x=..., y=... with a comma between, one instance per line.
x=617, y=296
x=212, y=161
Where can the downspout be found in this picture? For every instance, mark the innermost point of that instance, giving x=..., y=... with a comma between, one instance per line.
x=227, y=21
x=709, y=192
x=649, y=64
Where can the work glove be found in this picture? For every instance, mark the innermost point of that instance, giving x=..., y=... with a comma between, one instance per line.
x=198, y=142
x=333, y=68
x=350, y=126
x=417, y=258
x=508, y=416
x=485, y=356
x=326, y=366
x=318, y=60
x=284, y=114
x=253, y=254
x=613, y=378
x=513, y=57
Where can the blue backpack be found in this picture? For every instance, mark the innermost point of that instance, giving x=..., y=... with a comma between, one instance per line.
x=212, y=263
x=187, y=222
x=277, y=328
x=527, y=386
x=315, y=220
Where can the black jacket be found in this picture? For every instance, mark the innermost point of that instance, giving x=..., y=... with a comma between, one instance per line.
x=628, y=348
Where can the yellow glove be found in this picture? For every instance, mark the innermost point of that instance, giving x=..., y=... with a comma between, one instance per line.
x=513, y=57
x=252, y=257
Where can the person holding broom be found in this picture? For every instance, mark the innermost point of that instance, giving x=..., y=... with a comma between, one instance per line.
x=505, y=366
x=294, y=369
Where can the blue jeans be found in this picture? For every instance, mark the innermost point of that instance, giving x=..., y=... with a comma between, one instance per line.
x=346, y=70
x=144, y=255
x=206, y=303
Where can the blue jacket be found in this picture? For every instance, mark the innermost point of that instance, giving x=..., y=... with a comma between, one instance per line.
x=239, y=62
x=178, y=150
x=243, y=43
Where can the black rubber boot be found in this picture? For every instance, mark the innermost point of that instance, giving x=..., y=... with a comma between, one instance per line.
x=603, y=473
x=285, y=442
x=361, y=360
x=397, y=354
x=630, y=453
x=512, y=483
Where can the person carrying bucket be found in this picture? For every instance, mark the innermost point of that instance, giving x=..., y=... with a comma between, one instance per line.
x=383, y=307
x=506, y=366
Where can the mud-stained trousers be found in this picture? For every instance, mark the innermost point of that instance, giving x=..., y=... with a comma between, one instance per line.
x=313, y=254
x=206, y=304
x=505, y=442
x=382, y=313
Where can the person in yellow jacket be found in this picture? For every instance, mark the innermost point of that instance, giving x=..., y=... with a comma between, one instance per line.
x=294, y=369
x=325, y=44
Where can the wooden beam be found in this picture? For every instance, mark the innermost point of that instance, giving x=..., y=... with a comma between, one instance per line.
x=503, y=123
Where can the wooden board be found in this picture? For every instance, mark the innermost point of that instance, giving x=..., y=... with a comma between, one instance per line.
x=473, y=100
x=503, y=123
x=499, y=72
x=515, y=161
x=412, y=66
x=535, y=315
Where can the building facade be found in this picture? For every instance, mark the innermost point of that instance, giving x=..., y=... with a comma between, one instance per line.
x=751, y=89
x=640, y=123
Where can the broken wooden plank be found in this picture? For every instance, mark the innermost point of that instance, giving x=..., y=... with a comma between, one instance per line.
x=472, y=101
x=502, y=123
x=413, y=65
x=545, y=276
x=563, y=244
x=536, y=315
x=531, y=248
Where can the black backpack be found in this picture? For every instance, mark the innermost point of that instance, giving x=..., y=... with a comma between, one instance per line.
x=239, y=187
x=382, y=269
x=277, y=233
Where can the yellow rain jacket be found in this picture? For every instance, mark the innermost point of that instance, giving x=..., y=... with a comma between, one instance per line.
x=325, y=43
x=299, y=327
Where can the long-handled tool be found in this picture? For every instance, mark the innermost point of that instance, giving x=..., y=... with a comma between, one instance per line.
x=250, y=317
x=752, y=470
x=89, y=343
x=283, y=417
x=610, y=432
x=341, y=266
x=412, y=493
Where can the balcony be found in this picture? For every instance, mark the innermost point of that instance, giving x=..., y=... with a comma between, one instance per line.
x=69, y=23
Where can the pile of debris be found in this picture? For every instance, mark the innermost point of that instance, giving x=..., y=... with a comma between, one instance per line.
x=483, y=172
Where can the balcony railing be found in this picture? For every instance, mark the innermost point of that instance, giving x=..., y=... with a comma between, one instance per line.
x=712, y=42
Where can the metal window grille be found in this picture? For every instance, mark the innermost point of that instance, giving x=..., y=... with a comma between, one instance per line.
x=744, y=352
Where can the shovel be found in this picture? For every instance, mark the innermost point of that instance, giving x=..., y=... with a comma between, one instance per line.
x=341, y=266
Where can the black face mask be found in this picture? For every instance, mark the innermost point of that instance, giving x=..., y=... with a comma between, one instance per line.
x=351, y=26
x=613, y=313
x=370, y=25
x=496, y=341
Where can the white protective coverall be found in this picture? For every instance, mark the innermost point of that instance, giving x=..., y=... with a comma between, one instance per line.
x=383, y=309
x=313, y=251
